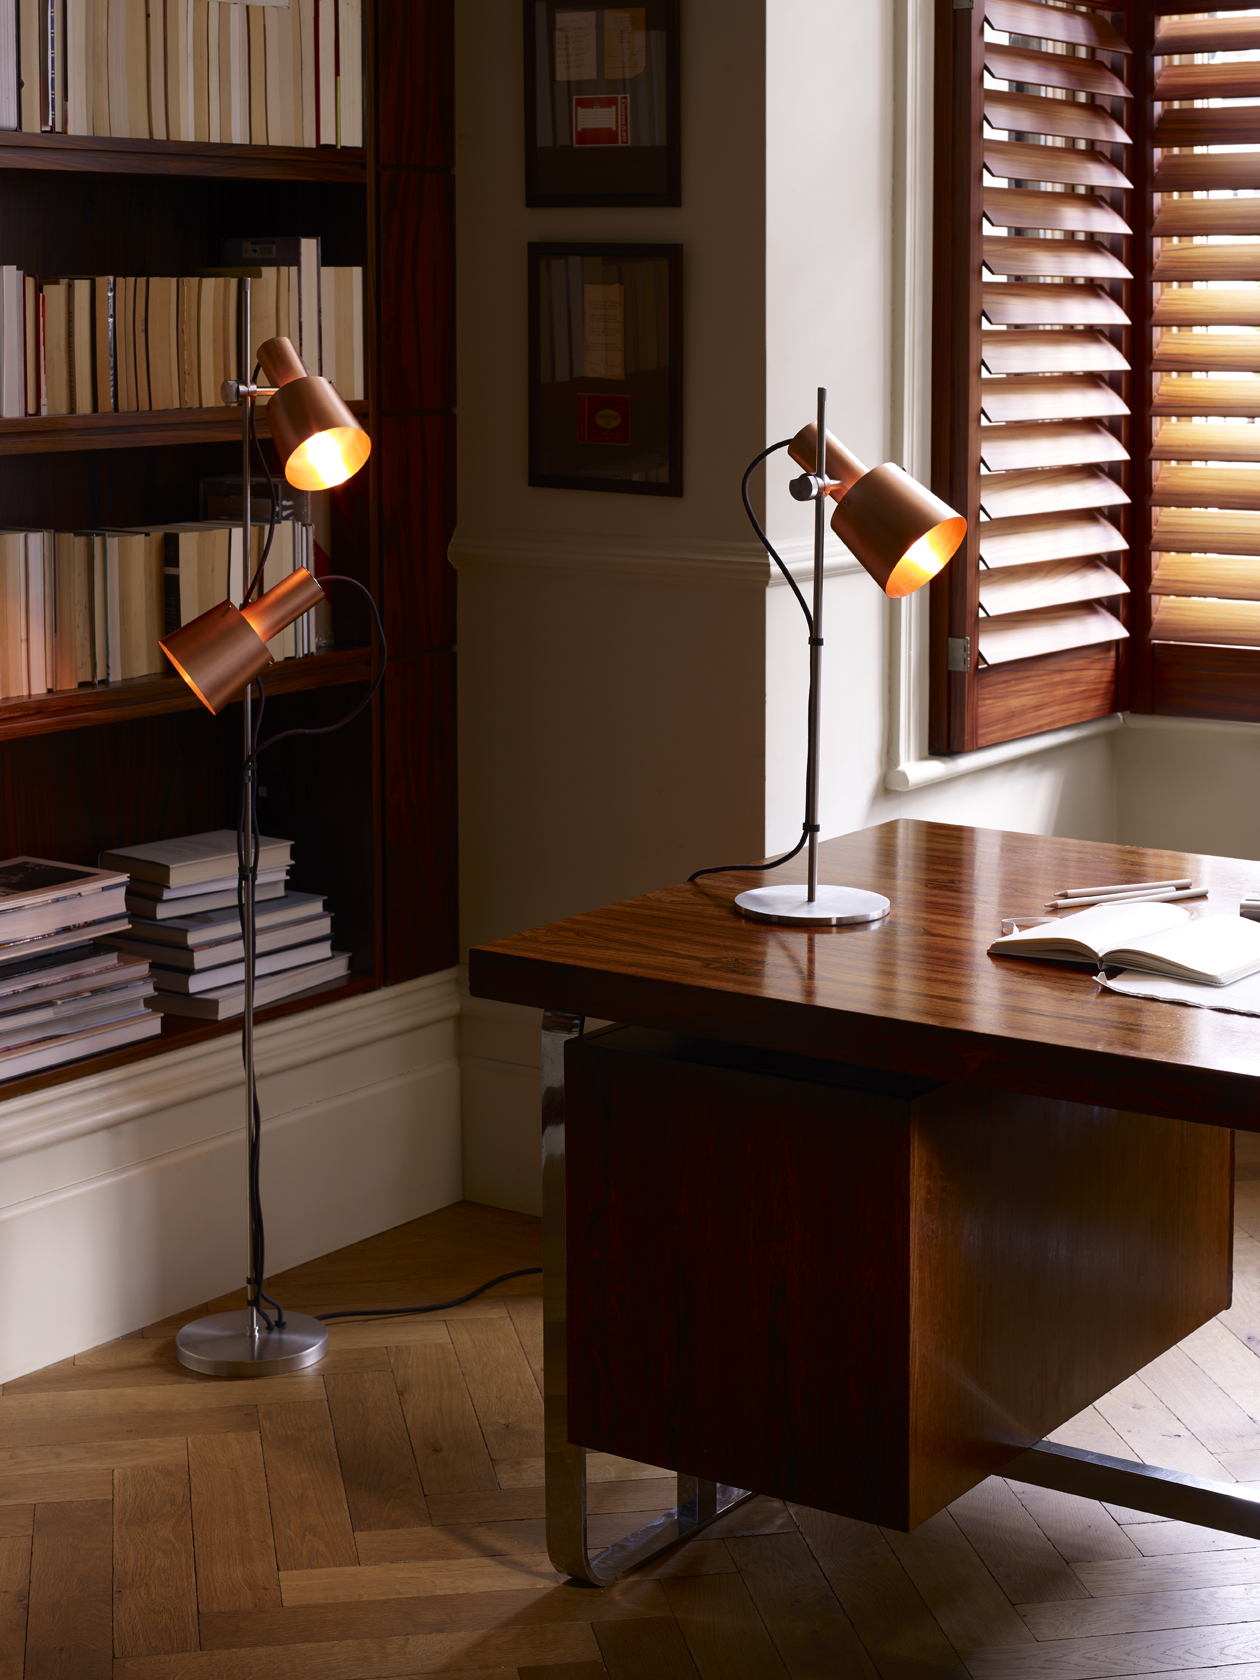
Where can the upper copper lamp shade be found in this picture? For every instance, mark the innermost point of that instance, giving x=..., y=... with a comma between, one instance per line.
x=318, y=440
x=900, y=531
x=220, y=653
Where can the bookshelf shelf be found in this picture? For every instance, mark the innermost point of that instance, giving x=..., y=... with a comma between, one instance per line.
x=55, y=433
x=141, y=697
x=93, y=154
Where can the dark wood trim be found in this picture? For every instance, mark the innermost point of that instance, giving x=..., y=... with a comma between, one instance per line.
x=1189, y=680
x=1140, y=27
x=97, y=155
x=54, y=433
x=955, y=599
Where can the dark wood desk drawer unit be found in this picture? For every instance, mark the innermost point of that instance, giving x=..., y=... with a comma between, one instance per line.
x=858, y=1290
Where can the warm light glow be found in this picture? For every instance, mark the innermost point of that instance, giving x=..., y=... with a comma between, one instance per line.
x=183, y=673
x=328, y=458
x=923, y=559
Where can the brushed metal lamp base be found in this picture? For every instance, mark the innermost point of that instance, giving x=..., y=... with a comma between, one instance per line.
x=830, y=907
x=223, y=1345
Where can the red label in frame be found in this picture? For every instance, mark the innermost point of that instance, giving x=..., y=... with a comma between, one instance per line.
x=601, y=119
x=603, y=419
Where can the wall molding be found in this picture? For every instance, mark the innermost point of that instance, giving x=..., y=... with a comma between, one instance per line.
x=924, y=772
x=682, y=559
x=1163, y=720
x=199, y=1071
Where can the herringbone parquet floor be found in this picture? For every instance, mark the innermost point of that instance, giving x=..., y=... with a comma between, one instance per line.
x=382, y=1516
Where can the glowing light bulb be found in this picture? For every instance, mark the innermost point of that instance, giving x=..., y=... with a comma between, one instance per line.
x=328, y=458
x=923, y=559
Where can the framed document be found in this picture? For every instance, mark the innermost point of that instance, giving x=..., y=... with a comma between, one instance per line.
x=605, y=368
x=601, y=103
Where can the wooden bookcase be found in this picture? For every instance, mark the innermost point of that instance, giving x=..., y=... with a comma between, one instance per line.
x=371, y=809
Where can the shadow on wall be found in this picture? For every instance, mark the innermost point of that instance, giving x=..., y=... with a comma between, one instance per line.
x=1190, y=786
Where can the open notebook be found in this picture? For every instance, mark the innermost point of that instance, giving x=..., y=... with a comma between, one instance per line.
x=1156, y=938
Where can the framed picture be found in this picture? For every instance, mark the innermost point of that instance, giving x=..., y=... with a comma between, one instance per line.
x=605, y=368
x=601, y=103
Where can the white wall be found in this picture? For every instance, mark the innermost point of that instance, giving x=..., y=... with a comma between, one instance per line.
x=631, y=690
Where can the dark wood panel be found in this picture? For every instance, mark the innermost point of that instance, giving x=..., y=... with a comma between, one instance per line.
x=915, y=993
x=421, y=897
x=827, y=1221
x=417, y=477
x=1031, y=695
x=1194, y=681
x=415, y=82
x=95, y=155
x=417, y=304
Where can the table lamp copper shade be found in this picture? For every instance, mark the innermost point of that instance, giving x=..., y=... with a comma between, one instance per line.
x=222, y=652
x=901, y=532
x=318, y=440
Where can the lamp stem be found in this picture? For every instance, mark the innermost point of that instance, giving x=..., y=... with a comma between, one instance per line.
x=815, y=652
x=247, y=897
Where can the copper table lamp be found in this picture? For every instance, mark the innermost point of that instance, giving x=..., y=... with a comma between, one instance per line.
x=903, y=535
x=220, y=655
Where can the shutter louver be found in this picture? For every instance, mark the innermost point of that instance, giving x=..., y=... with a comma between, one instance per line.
x=1205, y=499
x=1056, y=258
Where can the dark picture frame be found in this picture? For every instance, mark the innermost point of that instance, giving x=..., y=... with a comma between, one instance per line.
x=616, y=310
x=601, y=104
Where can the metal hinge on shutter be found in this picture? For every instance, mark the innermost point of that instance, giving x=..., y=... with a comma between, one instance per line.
x=958, y=653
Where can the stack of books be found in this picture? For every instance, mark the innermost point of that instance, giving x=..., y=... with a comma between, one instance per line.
x=283, y=73
x=186, y=926
x=61, y=996
x=128, y=344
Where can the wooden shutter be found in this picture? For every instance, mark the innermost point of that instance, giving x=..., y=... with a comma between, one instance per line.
x=1031, y=377
x=1204, y=550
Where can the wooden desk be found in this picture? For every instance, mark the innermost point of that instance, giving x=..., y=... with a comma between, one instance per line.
x=1002, y=1097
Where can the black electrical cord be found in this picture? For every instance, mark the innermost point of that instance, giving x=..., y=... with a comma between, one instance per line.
x=436, y=1306
x=763, y=539
x=271, y=490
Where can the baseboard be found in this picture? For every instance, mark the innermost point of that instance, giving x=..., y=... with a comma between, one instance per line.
x=122, y=1195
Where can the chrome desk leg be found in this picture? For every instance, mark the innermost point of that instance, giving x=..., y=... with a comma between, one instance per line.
x=699, y=1502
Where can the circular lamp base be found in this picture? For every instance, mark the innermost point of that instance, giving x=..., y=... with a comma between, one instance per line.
x=221, y=1345
x=833, y=907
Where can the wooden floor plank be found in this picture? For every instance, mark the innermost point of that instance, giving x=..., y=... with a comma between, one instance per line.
x=527, y=1534
x=1216, y=1421
x=1089, y=1429
x=899, y=1633
x=501, y=1385
x=1230, y=1363
x=517, y=1571
x=1011, y=1546
x=503, y=1504
x=45, y=1486
x=1171, y=1574
x=310, y=1523
x=1143, y=1612
x=564, y=1671
x=69, y=1634
x=467, y=1655
x=155, y=1581
x=802, y=1615
x=955, y=1585
x=1156, y=1435
x=647, y=1650
x=88, y=1403
x=1131, y=1655
x=1080, y=1530
x=384, y=1332
x=40, y=1431
x=15, y=1580
x=232, y=1542
x=378, y=1467
x=726, y=1637
x=16, y=1520
x=1161, y=1539
x=445, y=1436
x=526, y=1314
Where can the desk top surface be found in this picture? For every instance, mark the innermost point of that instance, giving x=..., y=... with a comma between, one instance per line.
x=917, y=992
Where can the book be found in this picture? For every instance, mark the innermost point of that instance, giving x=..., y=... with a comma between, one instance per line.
x=12, y=343
x=22, y=952
x=77, y=965
x=208, y=927
x=17, y=1000
x=92, y=1041
x=1155, y=938
x=8, y=65
x=192, y=857
x=160, y=910
x=222, y=1003
x=214, y=954
x=228, y=974
x=60, y=914
x=30, y=881
x=157, y=890
x=55, y=1021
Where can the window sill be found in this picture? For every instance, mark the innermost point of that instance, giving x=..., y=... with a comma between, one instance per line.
x=925, y=772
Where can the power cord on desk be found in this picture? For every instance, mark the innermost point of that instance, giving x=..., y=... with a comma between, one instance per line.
x=437, y=1306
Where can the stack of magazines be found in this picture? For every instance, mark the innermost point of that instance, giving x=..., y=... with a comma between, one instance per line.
x=186, y=926
x=62, y=996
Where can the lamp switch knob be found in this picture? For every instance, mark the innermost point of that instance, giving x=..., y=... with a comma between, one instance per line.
x=804, y=488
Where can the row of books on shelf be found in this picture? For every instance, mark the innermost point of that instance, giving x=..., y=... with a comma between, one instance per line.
x=91, y=606
x=91, y=959
x=200, y=70
x=98, y=344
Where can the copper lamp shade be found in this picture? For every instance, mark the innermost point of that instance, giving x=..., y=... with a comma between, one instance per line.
x=318, y=440
x=221, y=653
x=901, y=533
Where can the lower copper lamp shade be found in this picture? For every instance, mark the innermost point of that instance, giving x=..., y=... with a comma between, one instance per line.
x=219, y=654
x=903, y=535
